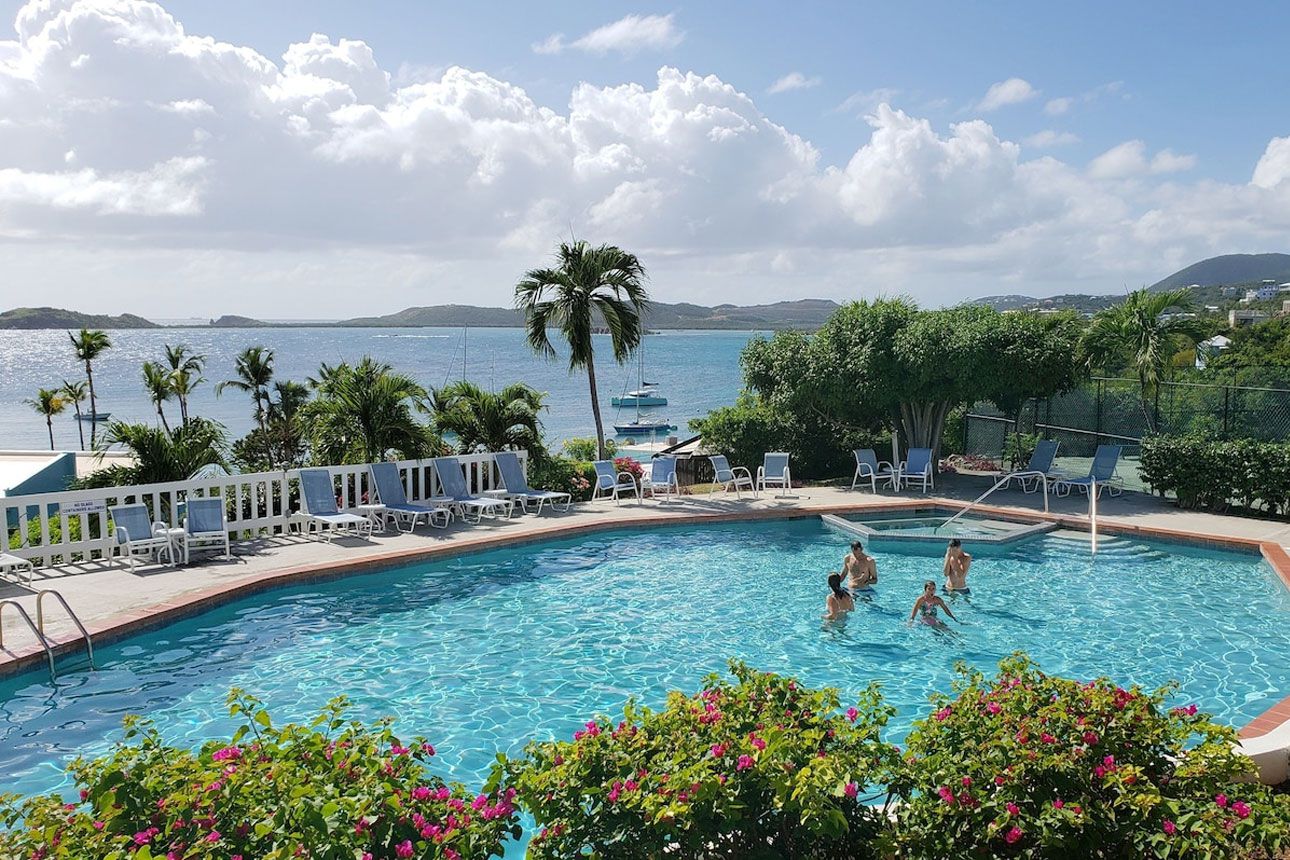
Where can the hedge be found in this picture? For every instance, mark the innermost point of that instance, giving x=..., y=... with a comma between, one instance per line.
x=1212, y=473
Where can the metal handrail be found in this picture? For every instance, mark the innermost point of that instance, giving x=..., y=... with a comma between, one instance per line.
x=40, y=619
x=40, y=637
x=1003, y=481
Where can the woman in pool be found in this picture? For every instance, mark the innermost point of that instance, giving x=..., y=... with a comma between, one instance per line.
x=956, y=567
x=860, y=569
x=926, y=605
x=838, y=603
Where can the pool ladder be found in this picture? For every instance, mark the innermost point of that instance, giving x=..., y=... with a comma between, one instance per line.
x=37, y=627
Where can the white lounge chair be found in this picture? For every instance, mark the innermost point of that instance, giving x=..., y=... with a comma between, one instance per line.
x=318, y=507
x=518, y=489
x=456, y=495
x=661, y=479
x=137, y=536
x=1038, y=470
x=918, y=466
x=612, y=483
x=205, y=526
x=870, y=468
x=395, y=505
x=16, y=564
x=1101, y=472
x=774, y=472
x=730, y=476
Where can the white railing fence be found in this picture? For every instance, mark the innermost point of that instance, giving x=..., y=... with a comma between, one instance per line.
x=73, y=526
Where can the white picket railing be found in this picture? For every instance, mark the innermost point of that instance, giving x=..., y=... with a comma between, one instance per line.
x=67, y=527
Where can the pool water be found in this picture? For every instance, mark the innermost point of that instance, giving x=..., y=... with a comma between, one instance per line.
x=482, y=652
x=935, y=524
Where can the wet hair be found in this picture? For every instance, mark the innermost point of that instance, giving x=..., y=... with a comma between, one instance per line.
x=929, y=584
x=835, y=583
x=855, y=544
x=955, y=542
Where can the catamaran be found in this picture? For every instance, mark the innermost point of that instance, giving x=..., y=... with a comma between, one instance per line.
x=647, y=392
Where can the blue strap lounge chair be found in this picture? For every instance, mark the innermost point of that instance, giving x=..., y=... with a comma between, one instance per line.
x=517, y=486
x=612, y=483
x=205, y=526
x=661, y=479
x=1101, y=472
x=137, y=536
x=1040, y=467
x=456, y=495
x=870, y=468
x=318, y=507
x=774, y=472
x=394, y=501
x=727, y=476
x=918, y=466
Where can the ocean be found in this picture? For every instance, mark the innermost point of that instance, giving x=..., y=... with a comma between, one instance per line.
x=696, y=370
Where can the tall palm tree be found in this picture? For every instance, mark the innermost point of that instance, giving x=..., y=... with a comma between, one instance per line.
x=287, y=431
x=160, y=456
x=185, y=374
x=486, y=421
x=89, y=345
x=157, y=380
x=48, y=402
x=254, y=369
x=1141, y=333
x=605, y=281
x=75, y=393
x=364, y=412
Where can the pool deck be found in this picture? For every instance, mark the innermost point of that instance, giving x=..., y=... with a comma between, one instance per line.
x=114, y=603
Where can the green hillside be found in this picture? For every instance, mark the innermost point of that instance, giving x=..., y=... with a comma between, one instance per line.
x=1229, y=269
x=36, y=318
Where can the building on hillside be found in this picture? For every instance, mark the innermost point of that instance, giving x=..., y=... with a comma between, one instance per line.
x=1207, y=349
x=1263, y=293
x=1238, y=317
x=1285, y=306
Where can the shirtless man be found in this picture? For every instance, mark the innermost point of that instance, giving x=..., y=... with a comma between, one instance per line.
x=860, y=569
x=957, y=563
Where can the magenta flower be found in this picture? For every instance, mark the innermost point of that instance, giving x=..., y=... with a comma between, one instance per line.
x=1170, y=828
x=745, y=762
x=1057, y=804
x=759, y=743
x=1013, y=809
x=851, y=790
x=404, y=848
x=994, y=708
x=1221, y=800
x=946, y=794
x=718, y=750
x=967, y=780
x=213, y=836
x=943, y=714
x=1014, y=835
x=852, y=714
x=1090, y=738
x=1241, y=810
x=1047, y=738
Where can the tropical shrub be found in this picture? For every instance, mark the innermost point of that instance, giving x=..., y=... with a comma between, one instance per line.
x=160, y=455
x=328, y=790
x=755, y=767
x=1203, y=472
x=564, y=475
x=483, y=420
x=1029, y=765
x=583, y=448
x=1018, y=447
x=630, y=465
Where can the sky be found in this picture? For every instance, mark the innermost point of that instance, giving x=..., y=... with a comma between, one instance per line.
x=327, y=159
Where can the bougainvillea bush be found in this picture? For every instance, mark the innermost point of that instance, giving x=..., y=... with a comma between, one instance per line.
x=755, y=767
x=1028, y=765
x=330, y=790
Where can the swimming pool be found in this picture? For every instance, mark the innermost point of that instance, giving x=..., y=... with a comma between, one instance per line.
x=482, y=652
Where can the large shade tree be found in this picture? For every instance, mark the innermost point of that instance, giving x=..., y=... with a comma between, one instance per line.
x=588, y=286
x=89, y=344
x=365, y=412
x=490, y=420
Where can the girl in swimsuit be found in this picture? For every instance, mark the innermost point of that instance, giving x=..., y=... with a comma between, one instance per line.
x=926, y=605
x=838, y=603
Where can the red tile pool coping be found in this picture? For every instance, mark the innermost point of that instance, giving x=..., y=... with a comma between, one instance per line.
x=125, y=624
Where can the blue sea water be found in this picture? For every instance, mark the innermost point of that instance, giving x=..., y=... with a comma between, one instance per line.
x=483, y=652
x=697, y=371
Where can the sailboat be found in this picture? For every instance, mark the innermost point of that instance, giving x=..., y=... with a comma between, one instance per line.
x=647, y=392
x=643, y=396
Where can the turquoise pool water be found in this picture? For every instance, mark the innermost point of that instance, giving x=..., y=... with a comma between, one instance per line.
x=482, y=652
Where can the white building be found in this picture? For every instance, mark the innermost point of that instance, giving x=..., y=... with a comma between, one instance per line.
x=1207, y=349
x=1243, y=316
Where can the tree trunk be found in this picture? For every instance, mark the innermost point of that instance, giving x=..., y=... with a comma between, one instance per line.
x=183, y=410
x=94, y=404
x=595, y=408
x=162, y=415
x=49, y=422
x=80, y=428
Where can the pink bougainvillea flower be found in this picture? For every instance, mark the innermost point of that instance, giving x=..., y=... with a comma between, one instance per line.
x=1221, y=800
x=745, y=762
x=852, y=714
x=1013, y=836
x=851, y=790
x=428, y=749
x=213, y=836
x=1170, y=828
x=718, y=750
x=994, y=708
x=943, y=714
x=1013, y=809
x=1090, y=738
x=967, y=780
x=1241, y=810
x=946, y=794
x=1047, y=738
x=1057, y=804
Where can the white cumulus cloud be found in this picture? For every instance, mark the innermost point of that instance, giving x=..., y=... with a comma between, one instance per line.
x=629, y=35
x=794, y=81
x=1048, y=138
x=1010, y=92
x=1130, y=159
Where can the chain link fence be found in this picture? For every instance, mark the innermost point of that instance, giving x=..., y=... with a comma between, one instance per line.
x=1111, y=411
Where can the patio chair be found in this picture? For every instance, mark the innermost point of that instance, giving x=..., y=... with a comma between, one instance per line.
x=661, y=479
x=612, y=483
x=318, y=507
x=204, y=526
x=918, y=466
x=1100, y=472
x=1038, y=470
x=518, y=489
x=16, y=564
x=137, y=536
x=395, y=505
x=774, y=472
x=727, y=476
x=870, y=468
x=452, y=480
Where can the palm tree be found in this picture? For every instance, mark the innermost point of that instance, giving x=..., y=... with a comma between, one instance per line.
x=364, y=412
x=286, y=430
x=74, y=393
x=89, y=345
x=1142, y=334
x=48, y=402
x=157, y=381
x=160, y=456
x=254, y=368
x=185, y=374
x=486, y=421
x=605, y=281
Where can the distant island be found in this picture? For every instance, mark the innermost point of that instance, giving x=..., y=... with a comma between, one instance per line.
x=1216, y=283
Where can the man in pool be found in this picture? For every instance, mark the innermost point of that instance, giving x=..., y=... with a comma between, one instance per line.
x=860, y=569
x=956, y=567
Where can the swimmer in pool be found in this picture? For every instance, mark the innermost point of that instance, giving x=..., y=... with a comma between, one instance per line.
x=838, y=603
x=956, y=567
x=860, y=569
x=926, y=605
